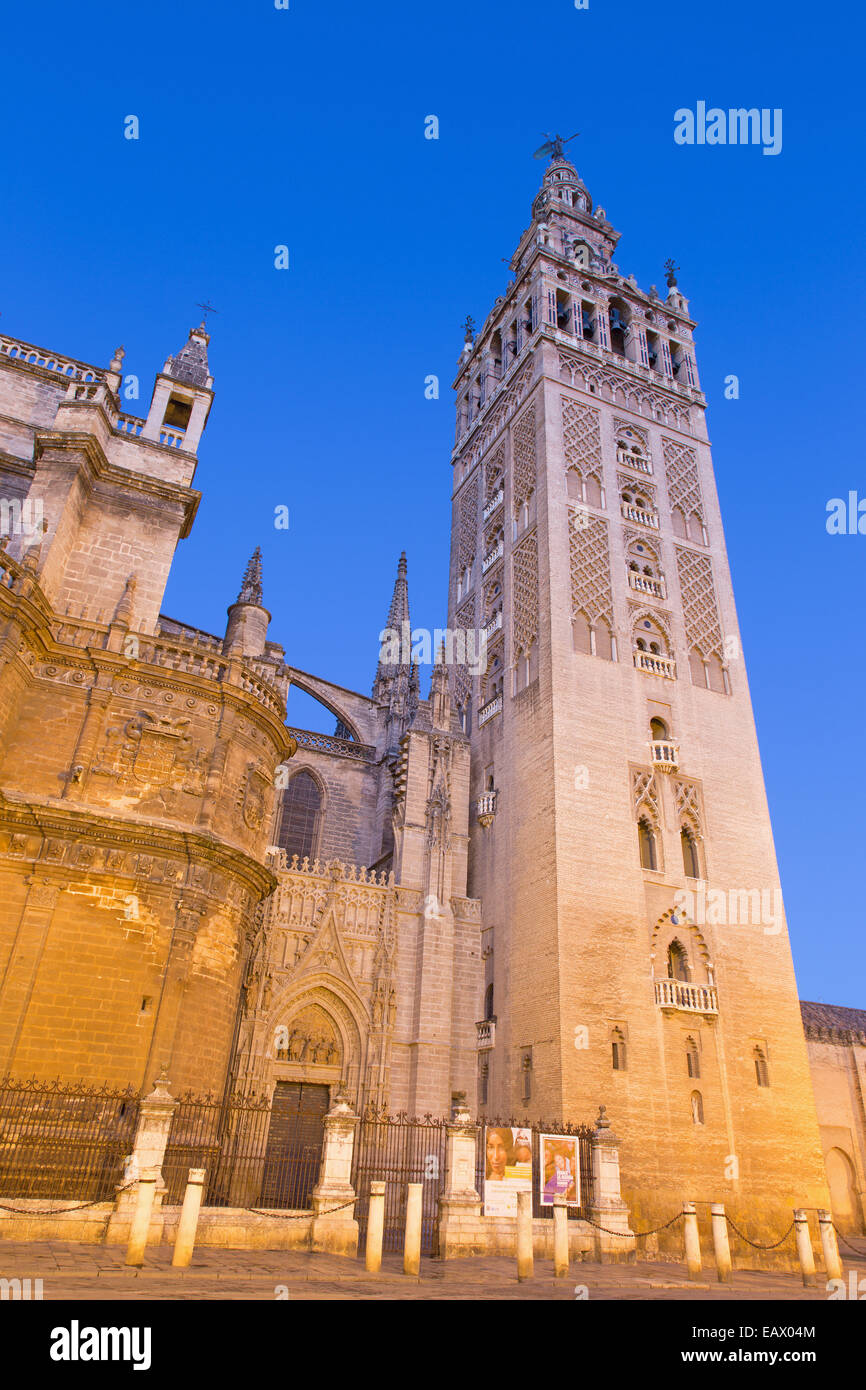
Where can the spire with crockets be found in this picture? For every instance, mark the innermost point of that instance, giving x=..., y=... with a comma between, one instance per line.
x=396, y=682
x=251, y=585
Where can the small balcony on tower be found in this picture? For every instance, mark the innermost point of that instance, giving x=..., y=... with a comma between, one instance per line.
x=651, y=651
x=655, y=664
x=493, y=625
x=646, y=584
x=632, y=511
x=492, y=556
x=487, y=712
x=682, y=995
x=665, y=755
x=495, y=501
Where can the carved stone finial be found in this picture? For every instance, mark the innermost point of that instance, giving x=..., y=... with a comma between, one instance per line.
x=671, y=276
x=602, y=1122
x=123, y=612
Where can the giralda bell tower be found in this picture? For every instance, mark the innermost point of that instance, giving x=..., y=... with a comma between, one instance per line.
x=634, y=940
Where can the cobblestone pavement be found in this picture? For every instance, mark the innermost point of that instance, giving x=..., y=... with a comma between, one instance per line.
x=95, y=1272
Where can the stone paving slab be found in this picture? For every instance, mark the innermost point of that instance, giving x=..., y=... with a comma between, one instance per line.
x=87, y=1273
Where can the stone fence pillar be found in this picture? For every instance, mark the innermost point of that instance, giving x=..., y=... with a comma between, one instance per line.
x=334, y=1227
x=607, y=1208
x=460, y=1227
x=148, y=1152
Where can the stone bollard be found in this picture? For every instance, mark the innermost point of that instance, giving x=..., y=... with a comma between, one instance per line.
x=375, y=1227
x=804, y=1246
x=334, y=1229
x=829, y=1245
x=560, y=1236
x=460, y=1227
x=151, y=1139
x=525, y=1268
x=412, y=1238
x=721, y=1244
x=187, y=1226
x=692, y=1240
x=140, y=1228
x=608, y=1210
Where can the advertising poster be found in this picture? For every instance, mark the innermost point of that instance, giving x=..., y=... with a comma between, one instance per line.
x=560, y=1168
x=507, y=1168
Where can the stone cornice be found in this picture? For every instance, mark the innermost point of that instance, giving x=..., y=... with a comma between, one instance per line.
x=80, y=442
x=118, y=667
x=86, y=825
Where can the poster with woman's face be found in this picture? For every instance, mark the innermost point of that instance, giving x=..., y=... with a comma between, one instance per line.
x=507, y=1168
x=560, y=1169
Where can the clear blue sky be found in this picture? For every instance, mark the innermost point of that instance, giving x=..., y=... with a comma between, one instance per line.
x=305, y=127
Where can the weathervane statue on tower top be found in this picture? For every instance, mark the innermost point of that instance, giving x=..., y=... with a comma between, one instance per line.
x=208, y=309
x=554, y=146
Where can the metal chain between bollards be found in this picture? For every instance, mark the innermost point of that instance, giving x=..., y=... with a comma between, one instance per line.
x=754, y=1244
x=839, y=1236
x=635, y=1235
x=298, y=1215
x=61, y=1211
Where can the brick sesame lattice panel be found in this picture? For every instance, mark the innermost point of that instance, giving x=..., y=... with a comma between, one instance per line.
x=525, y=575
x=589, y=554
x=468, y=512
x=700, y=611
x=581, y=438
x=523, y=449
x=681, y=470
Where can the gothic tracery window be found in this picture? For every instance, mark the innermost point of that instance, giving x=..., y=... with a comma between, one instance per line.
x=300, y=816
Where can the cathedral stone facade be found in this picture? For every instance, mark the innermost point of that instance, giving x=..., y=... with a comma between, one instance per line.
x=186, y=881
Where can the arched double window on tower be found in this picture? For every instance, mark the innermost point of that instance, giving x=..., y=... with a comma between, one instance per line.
x=646, y=836
x=301, y=817
x=691, y=858
x=693, y=1058
x=488, y=1001
x=678, y=962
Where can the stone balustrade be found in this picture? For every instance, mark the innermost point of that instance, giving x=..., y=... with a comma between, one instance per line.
x=19, y=351
x=644, y=584
x=487, y=711
x=655, y=665
x=636, y=461
x=638, y=514
x=688, y=997
x=495, y=501
x=333, y=870
x=665, y=755
x=329, y=743
x=491, y=558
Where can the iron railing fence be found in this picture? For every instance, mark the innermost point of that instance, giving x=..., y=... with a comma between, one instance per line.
x=397, y=1150
x=229, y=1138
x=64, y=1140
x=581, y=1132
